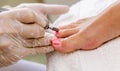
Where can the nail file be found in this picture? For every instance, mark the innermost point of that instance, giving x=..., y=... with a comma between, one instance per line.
x=48, y=26
x=52, y=28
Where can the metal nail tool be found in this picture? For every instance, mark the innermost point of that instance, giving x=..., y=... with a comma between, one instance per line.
x=50, y=27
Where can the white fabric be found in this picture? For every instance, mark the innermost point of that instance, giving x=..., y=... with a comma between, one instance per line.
x=23, y=65
x=105, y=58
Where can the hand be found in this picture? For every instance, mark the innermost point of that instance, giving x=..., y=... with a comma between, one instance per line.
x=22, y=33
x=18, y=35
x=90, y=36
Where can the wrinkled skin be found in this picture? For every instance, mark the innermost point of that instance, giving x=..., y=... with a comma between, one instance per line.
x=22, y=31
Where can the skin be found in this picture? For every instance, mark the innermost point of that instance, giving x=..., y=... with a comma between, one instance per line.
x=22, y=31
x=90, y=35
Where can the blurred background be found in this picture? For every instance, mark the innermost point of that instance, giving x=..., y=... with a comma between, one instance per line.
x=37, y=58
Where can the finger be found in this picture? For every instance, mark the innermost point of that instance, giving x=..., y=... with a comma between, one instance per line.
x=30, y=31
x=24, y=15
x=39, y=50
x=66, y=32
x=27, y=16
x=24, y=30
x=42, y=10
x=46, y=8
x=39, y=42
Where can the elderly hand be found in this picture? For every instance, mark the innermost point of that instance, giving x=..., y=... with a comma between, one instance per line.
x=22, y=32
x=92, y=34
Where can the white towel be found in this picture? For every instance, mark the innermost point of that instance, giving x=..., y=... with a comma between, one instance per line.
x=105, y=58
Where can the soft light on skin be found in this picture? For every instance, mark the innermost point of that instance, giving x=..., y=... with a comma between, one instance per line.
x=102, y=28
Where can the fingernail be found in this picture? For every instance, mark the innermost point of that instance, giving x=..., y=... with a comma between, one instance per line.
x=56, y=42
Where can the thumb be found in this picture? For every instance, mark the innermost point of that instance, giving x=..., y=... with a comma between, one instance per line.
x=46, y=8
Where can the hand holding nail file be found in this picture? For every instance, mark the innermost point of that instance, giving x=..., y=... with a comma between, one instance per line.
x=23, y=31
x=47, y=22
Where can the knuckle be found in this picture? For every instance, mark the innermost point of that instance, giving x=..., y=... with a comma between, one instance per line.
x=32, y=31
x=28, y=11
x=29, y=14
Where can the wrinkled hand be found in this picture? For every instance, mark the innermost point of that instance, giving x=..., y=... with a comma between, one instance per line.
x=18, y=35
x=22, y=33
